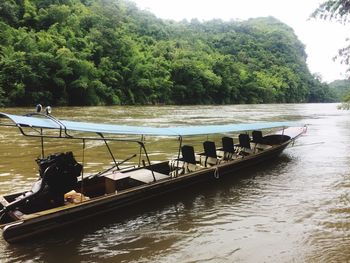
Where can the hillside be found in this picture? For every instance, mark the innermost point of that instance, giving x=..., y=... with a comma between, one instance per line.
x=106, y=52
x=341, y=89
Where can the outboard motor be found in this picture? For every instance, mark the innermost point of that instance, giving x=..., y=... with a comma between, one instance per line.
x=58, y=175
x=59, y=172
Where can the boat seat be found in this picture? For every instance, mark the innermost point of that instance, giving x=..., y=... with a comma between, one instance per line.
x=258, y=141
x=228, y=149
x=244, y=144
x=211, y=157
x=257, y=137
x=188, y=162
x=189, y=159
x=188, y=155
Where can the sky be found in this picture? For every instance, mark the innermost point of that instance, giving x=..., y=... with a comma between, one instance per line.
x=322, y=38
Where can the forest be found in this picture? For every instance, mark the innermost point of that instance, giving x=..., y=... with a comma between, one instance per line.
x=109, y=52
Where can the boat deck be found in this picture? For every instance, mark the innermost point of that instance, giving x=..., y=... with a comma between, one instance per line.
x=145, y=175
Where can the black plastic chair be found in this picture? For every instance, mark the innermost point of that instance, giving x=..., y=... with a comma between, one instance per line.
x=211, y=157
x=244, y=140
x=257, y=137
x=228, y=145
x=209, y=149
x=188, y=154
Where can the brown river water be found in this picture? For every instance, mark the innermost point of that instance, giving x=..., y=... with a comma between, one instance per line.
x=295, y=208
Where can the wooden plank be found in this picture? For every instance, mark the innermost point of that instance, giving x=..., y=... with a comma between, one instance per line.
x=145, y=175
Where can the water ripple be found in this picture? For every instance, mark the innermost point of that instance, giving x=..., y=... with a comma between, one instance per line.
x=293, y=209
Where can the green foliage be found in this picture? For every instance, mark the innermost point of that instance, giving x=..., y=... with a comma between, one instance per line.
x=333, y=10
x=341, y=88
x=339, y=11
x=106, y=52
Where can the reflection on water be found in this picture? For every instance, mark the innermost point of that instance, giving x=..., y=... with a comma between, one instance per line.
x=293, y=209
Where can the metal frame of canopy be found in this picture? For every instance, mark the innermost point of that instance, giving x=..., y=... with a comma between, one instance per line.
x=63, y=134
x=38, y=122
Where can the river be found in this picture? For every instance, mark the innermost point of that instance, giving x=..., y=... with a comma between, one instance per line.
x=293, y=209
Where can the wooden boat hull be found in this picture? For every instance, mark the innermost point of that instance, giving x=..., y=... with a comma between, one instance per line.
x=58, y=218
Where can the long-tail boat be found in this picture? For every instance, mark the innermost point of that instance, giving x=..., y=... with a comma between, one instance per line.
x=63, y=194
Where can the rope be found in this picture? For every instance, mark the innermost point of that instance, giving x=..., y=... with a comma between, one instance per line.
x=216, y=173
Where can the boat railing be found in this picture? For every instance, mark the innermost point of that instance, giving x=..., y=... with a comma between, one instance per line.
x=116, y=133
x=63, y=134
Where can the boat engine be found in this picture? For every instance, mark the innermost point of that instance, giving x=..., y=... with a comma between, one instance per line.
x=59, y=172
x=58, y=175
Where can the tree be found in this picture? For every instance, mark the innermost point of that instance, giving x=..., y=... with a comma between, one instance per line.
x=106, y=52
x=339, y=11
x=341, y=89
x=336, y=10
x=333, y=10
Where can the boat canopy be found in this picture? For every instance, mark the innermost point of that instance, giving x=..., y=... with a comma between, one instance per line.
x=48, y=122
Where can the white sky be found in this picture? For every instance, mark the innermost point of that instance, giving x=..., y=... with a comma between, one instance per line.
x=322, y=38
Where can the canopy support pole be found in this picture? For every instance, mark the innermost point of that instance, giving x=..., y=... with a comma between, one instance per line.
x=142, y=138
x=42, y=143
x=178, y=156
x=82, y=174
x=148, y=160
x=109, y=150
